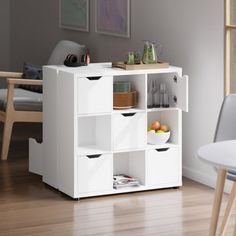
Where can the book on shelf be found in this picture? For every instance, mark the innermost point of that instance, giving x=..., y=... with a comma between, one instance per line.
x=122, y=180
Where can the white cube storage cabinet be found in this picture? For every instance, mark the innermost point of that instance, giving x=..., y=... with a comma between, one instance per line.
x=86, y=141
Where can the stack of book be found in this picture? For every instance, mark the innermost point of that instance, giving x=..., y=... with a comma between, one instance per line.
x=121, y=181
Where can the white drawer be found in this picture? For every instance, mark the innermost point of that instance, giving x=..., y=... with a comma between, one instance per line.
x=163, y=166
x=95, y=94
x=129, y=131
x=95, y=173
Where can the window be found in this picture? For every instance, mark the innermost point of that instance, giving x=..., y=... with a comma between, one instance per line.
x=230, y=46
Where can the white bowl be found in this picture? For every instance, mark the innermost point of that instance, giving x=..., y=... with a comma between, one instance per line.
x=158, y=138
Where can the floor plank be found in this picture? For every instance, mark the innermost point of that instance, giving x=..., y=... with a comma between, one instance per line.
x=29, y=207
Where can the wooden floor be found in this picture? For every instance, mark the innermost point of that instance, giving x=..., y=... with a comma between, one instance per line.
x=28, y=207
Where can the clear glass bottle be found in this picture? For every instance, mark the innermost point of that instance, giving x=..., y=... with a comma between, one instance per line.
x=149, y=95
x=166, y=100
x=156, y=95
x=164, y=97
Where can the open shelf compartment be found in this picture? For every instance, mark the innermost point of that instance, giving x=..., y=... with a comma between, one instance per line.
x=169, y=118
x=132, y=164
x=138, y=83
x=94, y=135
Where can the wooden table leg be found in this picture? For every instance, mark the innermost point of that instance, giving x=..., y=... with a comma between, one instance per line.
x=217, y=201
x=228, y=210
x=234, y=229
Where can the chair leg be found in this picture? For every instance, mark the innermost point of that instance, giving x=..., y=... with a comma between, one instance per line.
x=234, y=229
x=217, y=201
x=228, y=210
x=6, y=138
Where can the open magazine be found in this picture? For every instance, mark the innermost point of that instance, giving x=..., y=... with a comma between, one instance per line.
x=121, y=181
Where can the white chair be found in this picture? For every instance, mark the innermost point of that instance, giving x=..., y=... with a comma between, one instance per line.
x=21, y=105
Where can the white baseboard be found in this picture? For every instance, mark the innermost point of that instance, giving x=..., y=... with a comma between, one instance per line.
x=208, y=180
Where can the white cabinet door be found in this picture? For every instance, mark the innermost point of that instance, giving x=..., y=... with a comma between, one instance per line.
x=182, y=93
x=94, y=94
x=163, y=166
x=95, y=173
x=129, y=131
x=178, y=88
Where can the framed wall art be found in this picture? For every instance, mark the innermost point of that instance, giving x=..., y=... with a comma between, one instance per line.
x=113, y=17
x=74, y=14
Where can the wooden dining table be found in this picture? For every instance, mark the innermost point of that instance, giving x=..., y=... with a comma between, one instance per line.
x=222, y=156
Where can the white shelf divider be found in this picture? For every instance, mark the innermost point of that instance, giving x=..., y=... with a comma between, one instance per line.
x=131, y=110
x=130, y=189
x=91, y=150
x=162, y=109
x=159, y=146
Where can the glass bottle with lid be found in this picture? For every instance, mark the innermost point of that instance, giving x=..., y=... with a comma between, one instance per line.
x=149, y=95
x=156, y=95
x=164, y=97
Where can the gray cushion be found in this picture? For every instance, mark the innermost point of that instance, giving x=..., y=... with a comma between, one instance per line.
x=24, y=100
x=32, y=72
x=231, y=175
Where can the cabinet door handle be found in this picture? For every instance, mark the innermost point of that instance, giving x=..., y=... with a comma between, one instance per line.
x=175, y=99
x=94, y=78
x=128, y=114
x=175, y=79
x=94, y=156
x=162, y=149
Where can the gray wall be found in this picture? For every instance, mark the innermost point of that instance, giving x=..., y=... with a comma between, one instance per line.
x=4, y=41
x=190, y=31
x=5, y=34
